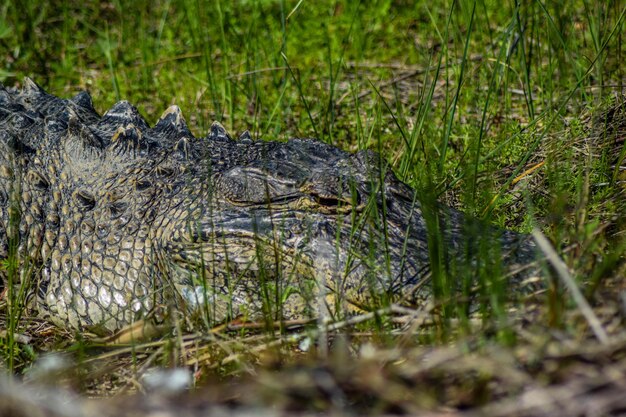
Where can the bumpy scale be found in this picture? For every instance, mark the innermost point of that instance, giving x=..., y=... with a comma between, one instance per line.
x=115, y=218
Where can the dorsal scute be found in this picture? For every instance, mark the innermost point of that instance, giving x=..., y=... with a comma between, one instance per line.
x=245, y=137
x=10, y=105
x=171, y=119
x=171, y=127
x=36, y=99
x=6, y=99
x=218, y=132
x=83, y=105
x=31, y=89
x=8, y=108
x=128, y=141
x=83, y=99
x=80, y=142
x=13, y=142
x=121, y=114
x=19, y=121
x=185, y=149
x=171, y=132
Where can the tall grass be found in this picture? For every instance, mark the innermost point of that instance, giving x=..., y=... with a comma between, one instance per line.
x=460, y=97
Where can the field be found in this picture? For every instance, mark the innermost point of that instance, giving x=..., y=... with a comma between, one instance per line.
x=513, y=113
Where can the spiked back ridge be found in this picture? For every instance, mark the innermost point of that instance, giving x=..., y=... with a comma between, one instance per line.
x=121, y=132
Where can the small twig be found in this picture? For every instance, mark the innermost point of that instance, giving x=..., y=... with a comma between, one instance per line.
x=254, y=325
x=136, y=376
x=295, y=338
x=567, y=279
x=526, y=173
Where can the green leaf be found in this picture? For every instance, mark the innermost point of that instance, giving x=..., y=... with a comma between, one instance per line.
x=5, y=30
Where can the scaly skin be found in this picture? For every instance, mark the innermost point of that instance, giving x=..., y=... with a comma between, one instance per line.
x=116, y=218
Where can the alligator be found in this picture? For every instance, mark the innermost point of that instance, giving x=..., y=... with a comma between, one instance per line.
x=111, y=219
